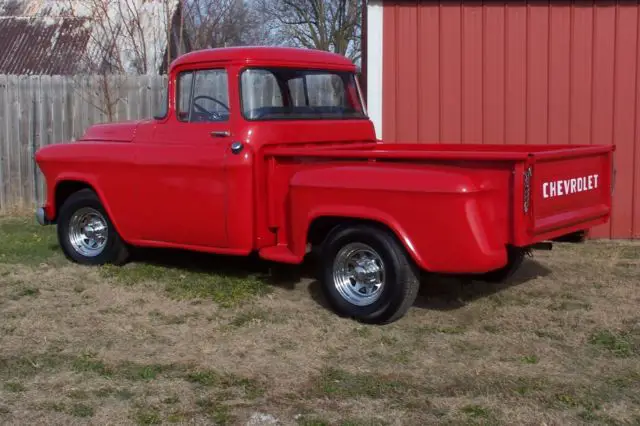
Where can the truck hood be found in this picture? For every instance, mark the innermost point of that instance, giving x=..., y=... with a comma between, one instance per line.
x=112, y=132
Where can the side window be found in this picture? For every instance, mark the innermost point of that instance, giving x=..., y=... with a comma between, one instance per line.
x=203, y=96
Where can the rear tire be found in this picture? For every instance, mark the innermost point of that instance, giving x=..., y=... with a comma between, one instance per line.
x=367, y=275
x=85, y=232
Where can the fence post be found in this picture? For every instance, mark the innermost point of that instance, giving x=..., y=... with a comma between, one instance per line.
x=34, y=125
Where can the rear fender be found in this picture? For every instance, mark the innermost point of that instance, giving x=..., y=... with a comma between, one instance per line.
x=439, y=215
x=372, y=215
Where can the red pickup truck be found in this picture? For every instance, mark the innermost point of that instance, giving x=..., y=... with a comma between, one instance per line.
x=270, y=150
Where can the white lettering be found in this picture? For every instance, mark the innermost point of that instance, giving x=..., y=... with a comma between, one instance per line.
x=569, y=186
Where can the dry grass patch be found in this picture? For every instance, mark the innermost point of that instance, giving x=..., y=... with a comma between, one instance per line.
x=193, y=339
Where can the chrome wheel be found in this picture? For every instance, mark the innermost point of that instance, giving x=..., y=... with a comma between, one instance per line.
x=358, y=274
x=88, y=231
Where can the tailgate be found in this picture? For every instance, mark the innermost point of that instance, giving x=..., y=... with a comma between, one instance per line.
x=569, y=190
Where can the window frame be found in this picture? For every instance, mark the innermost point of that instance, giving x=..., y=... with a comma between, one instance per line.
x=241, y=72
x=193, y=73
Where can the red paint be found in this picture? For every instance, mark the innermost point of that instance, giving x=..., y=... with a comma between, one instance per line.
x=516, y=75
x=168, y=183
x=534, y=73
x=451, y=114
x=428, y=93
x=407, y=127
x=624, y=123
x=472, y=72
x=493, y=74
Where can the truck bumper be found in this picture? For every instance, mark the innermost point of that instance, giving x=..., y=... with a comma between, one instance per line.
x=41, y=216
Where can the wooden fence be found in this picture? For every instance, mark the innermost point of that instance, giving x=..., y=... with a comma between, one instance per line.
x=40, y=110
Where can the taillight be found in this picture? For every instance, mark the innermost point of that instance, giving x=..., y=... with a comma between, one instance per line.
x=527, y=189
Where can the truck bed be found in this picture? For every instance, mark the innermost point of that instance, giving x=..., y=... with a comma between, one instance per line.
x=546, y=191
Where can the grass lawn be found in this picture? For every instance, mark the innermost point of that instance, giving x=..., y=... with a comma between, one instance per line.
x=193, y=339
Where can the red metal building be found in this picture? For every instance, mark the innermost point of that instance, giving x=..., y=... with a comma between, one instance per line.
x=512, y=72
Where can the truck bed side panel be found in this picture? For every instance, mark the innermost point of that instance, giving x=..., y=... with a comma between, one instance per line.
x=445, y=219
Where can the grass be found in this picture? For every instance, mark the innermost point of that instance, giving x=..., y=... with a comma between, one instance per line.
x=74, y=410
x=216, y=411
x=476, y=411
x=338, y=383
x=530, y=359
x=619, y=344
x=25, y=242
x=250, y=388
x=147, y=416
x=14, y=387
x=191, y=339
x=226, y=290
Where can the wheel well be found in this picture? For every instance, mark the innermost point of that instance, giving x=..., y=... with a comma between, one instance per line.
x=66, y=188
x=320, y=228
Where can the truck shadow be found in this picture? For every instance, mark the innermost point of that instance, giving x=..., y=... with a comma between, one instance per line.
x=437, y=292
x=191, y=261
x=445, y=292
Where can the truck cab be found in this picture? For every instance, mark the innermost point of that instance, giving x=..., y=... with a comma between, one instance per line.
x=270, y=150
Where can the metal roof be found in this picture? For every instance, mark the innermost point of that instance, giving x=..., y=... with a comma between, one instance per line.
x=60, y=37
x=43, y=45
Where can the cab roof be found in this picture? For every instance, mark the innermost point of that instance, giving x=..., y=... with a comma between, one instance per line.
x=266, y=56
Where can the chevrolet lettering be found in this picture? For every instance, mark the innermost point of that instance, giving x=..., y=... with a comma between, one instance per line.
x=558, y=188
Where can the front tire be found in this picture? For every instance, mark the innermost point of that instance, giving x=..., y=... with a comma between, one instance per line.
x=367, y=275
x=85, y=232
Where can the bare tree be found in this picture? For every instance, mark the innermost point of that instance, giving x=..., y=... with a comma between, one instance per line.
x=127, y=36
x=221, y=23
x=144, y=36
x=332, y=25
x=124, y=37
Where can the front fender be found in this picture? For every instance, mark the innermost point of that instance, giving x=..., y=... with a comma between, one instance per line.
x=447, y=221
x=86, y=179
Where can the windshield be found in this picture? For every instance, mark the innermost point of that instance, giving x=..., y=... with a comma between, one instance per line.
x=285, y=94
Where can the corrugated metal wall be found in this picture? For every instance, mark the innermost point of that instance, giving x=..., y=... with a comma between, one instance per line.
x=519, y=73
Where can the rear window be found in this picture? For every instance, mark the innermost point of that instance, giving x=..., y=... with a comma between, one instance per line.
x=285, y=94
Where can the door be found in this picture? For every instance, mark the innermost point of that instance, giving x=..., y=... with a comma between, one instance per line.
x=183, y=165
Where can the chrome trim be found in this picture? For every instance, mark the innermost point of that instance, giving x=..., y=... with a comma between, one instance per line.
x=88, y=232
x=527, y=189
x=221, y=133
x=358, y=274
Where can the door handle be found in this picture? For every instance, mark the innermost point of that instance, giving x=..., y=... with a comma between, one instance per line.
x=221, y=133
